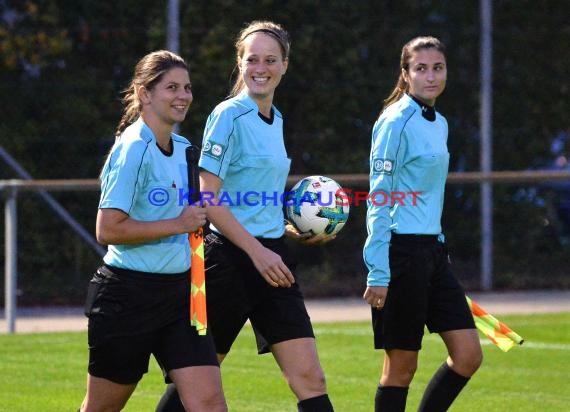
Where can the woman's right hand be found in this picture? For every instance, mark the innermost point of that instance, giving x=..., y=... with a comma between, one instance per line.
x=192, y=218
x=271, y=267
x=375, y=296
x=268, y=263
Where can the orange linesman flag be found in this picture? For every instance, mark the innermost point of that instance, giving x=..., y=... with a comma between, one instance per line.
x=198, y=316
x=499, y=333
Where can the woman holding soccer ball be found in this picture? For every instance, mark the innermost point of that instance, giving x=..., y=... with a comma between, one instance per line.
x=249, y=269
x=410, y=284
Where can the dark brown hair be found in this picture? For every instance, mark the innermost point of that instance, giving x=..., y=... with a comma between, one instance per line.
x=417, y=43
x=148, y=72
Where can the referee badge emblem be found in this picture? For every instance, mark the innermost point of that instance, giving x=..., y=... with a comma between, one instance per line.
x=214, y=150
x=382, y=166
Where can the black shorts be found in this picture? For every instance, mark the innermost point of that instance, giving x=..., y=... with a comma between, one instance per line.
x=422, y=292
x=135, y=314
x=236, y=292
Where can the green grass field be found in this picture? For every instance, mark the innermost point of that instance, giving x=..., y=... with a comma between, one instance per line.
x=46, y=372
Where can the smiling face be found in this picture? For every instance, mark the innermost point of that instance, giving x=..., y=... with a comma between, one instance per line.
x=426, y=75
x=262, y=65
x=167, y=102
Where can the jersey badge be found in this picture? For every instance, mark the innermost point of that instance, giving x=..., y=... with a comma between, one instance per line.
x=382, y=166
x=215, y=150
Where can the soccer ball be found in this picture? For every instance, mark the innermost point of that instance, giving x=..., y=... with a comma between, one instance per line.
x=313, y=205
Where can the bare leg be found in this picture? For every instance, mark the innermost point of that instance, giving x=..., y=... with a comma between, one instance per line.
x=200, y=388
x=399, y=367
x=104, y=395
x=465, y=357
x=398, y=371
x=170, y=400
x=464, y=348
x=301, y=368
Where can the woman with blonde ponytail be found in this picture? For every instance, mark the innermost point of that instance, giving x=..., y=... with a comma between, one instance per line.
x=249, y=269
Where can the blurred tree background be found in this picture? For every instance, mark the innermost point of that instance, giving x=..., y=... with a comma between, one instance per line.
x=64, y=63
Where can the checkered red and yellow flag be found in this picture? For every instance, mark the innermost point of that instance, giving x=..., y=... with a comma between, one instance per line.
x=499, y=333
x=198, y=316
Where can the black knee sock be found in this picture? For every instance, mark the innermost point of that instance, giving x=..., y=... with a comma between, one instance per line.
x=320, y=403
x=390, y=399
x=442, y=390
x=170, y=401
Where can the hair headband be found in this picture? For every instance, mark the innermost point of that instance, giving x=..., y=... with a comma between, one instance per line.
x=267, y=31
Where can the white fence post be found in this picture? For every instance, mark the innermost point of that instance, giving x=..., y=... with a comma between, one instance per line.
x=11, y=256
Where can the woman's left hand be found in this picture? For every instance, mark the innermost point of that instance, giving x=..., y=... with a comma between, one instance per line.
x=307, y=238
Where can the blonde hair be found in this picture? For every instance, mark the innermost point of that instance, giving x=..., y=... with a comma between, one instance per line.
x=272, y=29
x=417, y=43
x=148, y=72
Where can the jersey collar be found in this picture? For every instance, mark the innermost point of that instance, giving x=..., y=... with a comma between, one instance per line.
x=428, y=112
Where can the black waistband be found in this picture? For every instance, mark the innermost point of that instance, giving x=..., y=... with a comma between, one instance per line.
x=415, y=238
x=111, y=271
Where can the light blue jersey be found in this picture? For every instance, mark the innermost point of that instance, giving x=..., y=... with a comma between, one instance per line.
x=409, y=161
x=139, y=179
x=248, y=154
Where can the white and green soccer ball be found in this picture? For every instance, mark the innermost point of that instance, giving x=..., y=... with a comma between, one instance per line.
x=314, y=206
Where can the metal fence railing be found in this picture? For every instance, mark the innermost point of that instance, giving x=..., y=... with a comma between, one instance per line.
x=11, y=188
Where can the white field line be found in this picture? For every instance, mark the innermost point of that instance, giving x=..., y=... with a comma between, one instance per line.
x=484, y=341
x=537, y=345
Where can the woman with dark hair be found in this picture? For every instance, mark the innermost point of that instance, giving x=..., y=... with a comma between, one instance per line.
x=137, y=301
x=410, y=284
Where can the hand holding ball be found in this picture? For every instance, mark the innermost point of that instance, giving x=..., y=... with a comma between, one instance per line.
x=314, y=206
